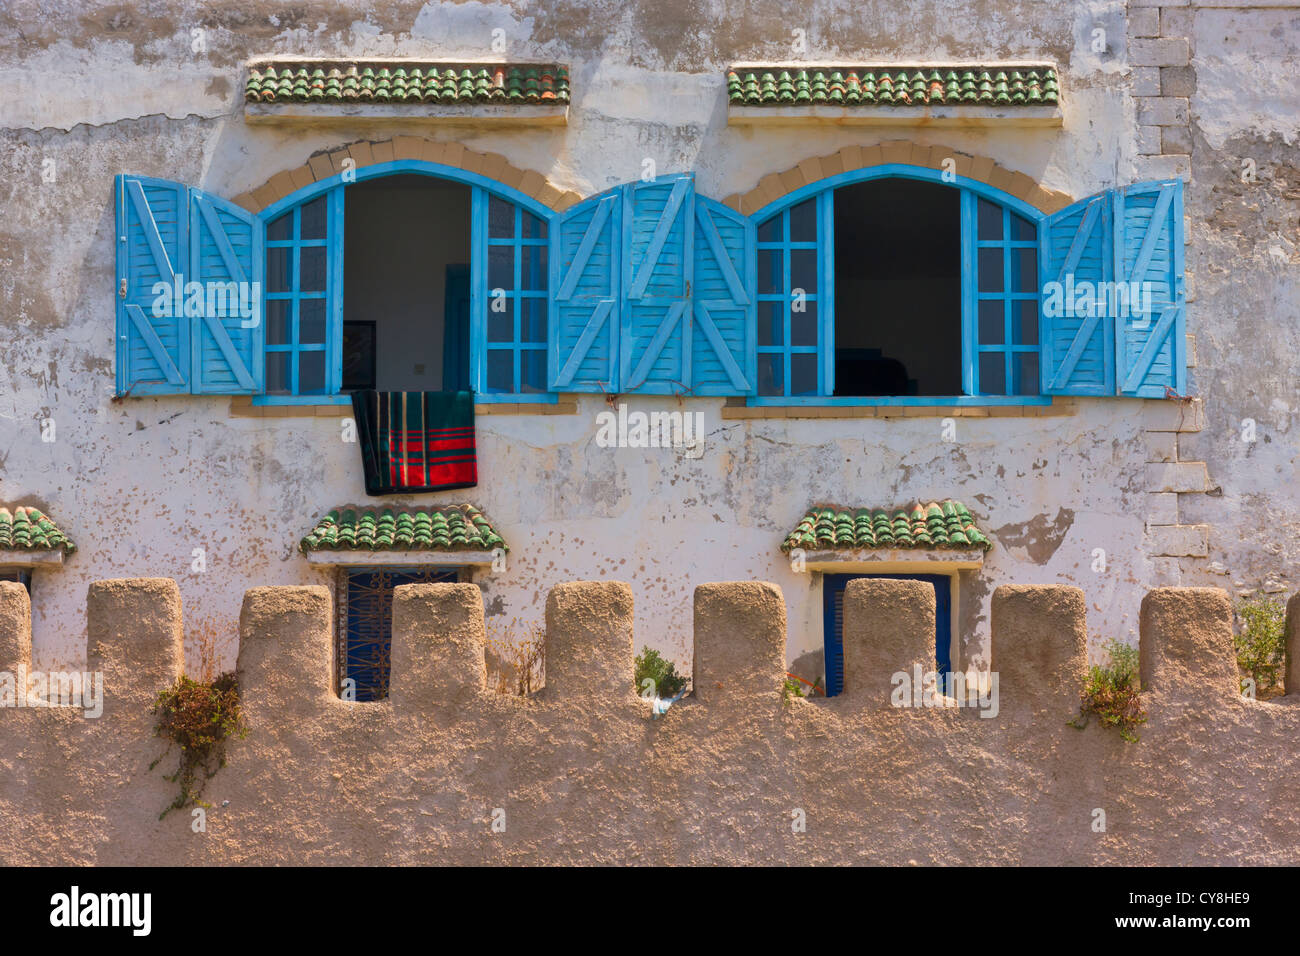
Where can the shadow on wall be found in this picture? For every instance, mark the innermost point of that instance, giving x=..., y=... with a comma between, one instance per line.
x=444, y=771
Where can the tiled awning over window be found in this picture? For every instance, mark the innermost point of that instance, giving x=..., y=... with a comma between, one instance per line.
x=941, y=525
x=412, y=82
x=27, y=529
x=990, y=86
x=439, y=529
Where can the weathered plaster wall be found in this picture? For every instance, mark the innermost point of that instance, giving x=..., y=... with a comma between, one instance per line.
x=583, y=775
x=99, y=89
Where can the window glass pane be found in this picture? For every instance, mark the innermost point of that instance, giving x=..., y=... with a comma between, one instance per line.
x=803, y=374
x=311, y=372
x=803, y=324
x=770, y=278
x=992, y=321
x=534, y=320
x=1025, y=313
x=1022, y=230
x=313, y=219
x=803, y=221
x=803, y=271
x=279, y=269
x=277, y=372
x=771, y=323
x=501, y=370
x=1025, y=365
x=993, y=373
x=990, y=220
x=501, y=267
x=277, y=321
x=311, y=321
x=501, y=319
x=770, y=229
x=534, y=267
x=1024, y=270
x=771, y=374
x=501, y=218
x=534, y=370
x=281, y=228
x=313, y=268
x=990, y=265
x=534, y=228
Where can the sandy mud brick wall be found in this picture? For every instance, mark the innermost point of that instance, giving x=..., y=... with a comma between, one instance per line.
x=445, y=772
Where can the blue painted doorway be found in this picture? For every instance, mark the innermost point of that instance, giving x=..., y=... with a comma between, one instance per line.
x=833, y=622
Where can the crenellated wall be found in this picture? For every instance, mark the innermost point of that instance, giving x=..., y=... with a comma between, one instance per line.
x=585, y=775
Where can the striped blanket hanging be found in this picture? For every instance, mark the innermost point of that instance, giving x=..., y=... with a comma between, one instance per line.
x=416, y=441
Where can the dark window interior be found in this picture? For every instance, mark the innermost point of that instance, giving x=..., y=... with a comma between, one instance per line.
x=898, y=289
x=406, y=284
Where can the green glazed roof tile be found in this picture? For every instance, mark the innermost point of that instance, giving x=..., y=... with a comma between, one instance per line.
x=27, y=529
x=936, y=85
x=447, y=528
x=942, y=525
x=409, y=83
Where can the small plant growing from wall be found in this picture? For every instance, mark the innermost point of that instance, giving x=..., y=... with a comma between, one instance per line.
x=652, y=668
x=796, y=686
x=1260, y=642
x=199, y=717
x=515, y=664
x=1111, y=693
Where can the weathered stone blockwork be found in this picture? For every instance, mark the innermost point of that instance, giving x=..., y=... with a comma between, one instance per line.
x=584, y=775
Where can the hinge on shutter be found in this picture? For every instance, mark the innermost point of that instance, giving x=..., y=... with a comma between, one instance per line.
x=121, y=290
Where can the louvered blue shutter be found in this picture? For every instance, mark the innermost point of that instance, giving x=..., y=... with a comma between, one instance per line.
x=153, y=335
x=658, y=227
x=1075, y=247
x=1150, y=342
x=723, y=354
x=226, y=259
x=582, y=335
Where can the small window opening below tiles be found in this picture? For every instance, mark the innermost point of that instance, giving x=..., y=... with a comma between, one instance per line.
x=22, y=575
x=898, y=287
x=833, y=623
x=365, y=631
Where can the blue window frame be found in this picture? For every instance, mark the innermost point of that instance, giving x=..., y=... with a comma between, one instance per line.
x=514, y=309
x=1006, y=300
x=795, y=311
x=1000, y=297
x=303, y=280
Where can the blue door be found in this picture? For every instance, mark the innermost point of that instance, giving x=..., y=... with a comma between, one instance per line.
x=833, y=610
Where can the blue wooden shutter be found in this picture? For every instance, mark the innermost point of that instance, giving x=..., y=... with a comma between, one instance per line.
x=658, y=226
x=1077, y=350
x=723, y=344
x=226, y=255
x=152, y=223
x=582, y=334
x=1150, y=346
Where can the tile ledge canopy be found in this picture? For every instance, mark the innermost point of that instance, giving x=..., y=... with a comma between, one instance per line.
x=10, y=558
x=414, y=558
x=894, y=559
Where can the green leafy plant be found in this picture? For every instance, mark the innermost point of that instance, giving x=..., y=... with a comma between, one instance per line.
x=650, y=665
x=1261, y=641
x=199, y=717
x=795, y=686
x=1111, y=693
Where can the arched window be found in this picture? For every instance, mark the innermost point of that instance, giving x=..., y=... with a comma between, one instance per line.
x=406, y=282
x=896, y=287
